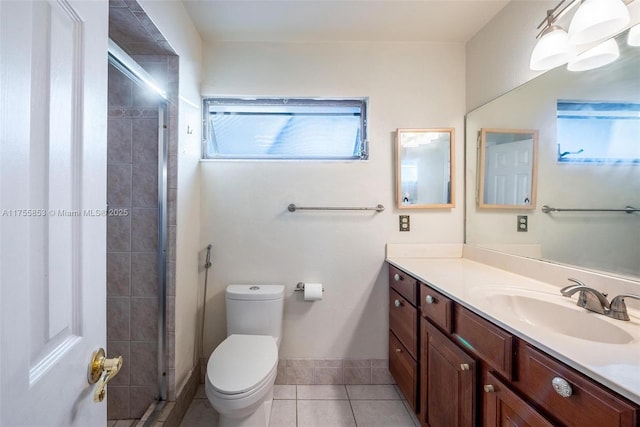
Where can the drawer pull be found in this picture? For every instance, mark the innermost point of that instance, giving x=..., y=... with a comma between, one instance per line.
x=398, y=303
x=562, y=387
x=430, y=299
x=488, y=388
x=397, y=277
x=464, y=367
x=398, y=350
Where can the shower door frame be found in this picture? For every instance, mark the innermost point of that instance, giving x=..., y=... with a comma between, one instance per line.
x=129, y=67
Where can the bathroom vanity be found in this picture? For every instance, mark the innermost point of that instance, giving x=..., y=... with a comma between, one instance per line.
x=467, y=348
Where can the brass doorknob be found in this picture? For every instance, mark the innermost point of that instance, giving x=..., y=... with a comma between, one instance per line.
x=102, y=370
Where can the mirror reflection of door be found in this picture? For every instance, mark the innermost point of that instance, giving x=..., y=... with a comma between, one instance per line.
x=508, y=165
x=424, y=168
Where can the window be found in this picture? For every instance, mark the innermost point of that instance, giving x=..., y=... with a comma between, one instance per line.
x=598, y=132
x=285, y=128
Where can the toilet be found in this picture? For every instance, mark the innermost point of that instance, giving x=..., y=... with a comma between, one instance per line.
x=242, y=370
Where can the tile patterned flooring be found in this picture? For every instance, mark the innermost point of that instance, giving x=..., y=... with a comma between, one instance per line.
x=321, y=406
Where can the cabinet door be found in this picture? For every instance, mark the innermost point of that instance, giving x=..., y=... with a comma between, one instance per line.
x=503, y=408
x=450, y=378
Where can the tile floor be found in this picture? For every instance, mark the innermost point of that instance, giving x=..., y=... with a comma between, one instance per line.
x=320, y=406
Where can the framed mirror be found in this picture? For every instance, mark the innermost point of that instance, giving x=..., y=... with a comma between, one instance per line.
x=507, y=168
x=425, y=168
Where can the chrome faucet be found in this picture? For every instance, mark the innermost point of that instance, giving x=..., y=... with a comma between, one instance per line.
x=590, y=299
x=596, y=301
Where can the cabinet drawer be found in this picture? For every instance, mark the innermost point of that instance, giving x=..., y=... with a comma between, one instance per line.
x=589, y=403
x=404, y=284
x=436, y=307
x=492, y=344
x=503, y=407
x=404, y=370
x=403, y=321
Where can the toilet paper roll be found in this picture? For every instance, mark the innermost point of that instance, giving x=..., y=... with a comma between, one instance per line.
x=312, y=291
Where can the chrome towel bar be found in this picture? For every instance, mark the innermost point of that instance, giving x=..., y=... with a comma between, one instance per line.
x=292, y=208
x=628, y=209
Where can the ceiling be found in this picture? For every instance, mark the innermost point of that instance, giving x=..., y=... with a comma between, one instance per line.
x=341, y=20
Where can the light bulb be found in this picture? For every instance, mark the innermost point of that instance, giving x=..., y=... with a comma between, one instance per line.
x=633, y=38
x=598, y=19
x=553, y=49
x=597, y=56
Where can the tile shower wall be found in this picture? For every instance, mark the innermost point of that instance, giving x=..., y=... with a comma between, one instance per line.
x=132, y=240
x=132, y=243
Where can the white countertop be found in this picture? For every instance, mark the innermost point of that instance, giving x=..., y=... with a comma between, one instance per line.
x=617, y=366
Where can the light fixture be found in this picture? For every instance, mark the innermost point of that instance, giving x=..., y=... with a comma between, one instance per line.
x=593, y=21
x=597, y=56
x=598, y=19
x=553, y=49
x=633, y=39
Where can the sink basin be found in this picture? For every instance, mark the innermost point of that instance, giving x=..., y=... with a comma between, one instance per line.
x=557, y=314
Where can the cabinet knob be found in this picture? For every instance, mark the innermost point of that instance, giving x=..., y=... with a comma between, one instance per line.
x=398, y=350
x=488, y=388
x=398, y=303
x=562, y=387
x=430, y=299
x=397, y=277
x=464, y=367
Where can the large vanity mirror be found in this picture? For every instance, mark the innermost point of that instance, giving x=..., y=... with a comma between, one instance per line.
x=507, y=168
x=588, y=168
x=424, y=168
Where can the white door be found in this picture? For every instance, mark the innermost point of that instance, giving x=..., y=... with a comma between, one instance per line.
x=509, y=172
x=53, y=83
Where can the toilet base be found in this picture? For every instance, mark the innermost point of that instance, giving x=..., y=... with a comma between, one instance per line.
x=260, y=418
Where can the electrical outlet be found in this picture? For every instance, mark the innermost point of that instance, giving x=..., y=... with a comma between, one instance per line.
x=523, y=223
x=405, y=224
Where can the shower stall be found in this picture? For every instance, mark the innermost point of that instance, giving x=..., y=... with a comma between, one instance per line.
x=141, y=182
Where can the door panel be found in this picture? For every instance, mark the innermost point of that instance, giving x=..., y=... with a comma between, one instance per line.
x=52, y=201
x=509, y=173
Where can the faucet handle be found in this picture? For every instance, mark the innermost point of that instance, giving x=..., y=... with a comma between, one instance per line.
x=619, y=308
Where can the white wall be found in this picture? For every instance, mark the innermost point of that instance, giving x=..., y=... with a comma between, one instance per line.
x=498, y=56
x=173, y=22
x=244, y=204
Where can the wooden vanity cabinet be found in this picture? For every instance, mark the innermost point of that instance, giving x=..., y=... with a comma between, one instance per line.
x=404, y=334
x=457, y=368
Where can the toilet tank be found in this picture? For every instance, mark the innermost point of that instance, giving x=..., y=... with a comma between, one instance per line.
x=255, y=310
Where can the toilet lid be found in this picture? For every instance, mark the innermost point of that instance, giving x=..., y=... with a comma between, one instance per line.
x=241, y=362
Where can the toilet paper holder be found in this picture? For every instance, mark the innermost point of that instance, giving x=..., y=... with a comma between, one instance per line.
x=300, y=287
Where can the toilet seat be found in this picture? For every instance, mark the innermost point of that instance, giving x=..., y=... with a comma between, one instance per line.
x=242, y=364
